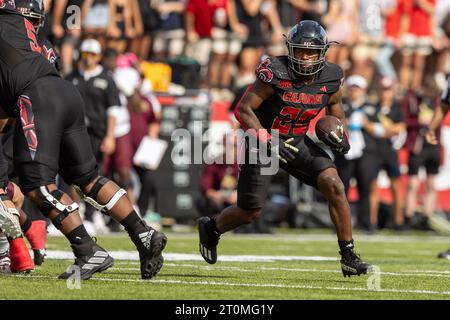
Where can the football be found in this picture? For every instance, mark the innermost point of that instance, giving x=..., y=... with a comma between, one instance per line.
x=326, y=125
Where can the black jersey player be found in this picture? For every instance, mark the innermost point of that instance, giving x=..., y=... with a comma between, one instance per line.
x=288, y=93
x=50, y=138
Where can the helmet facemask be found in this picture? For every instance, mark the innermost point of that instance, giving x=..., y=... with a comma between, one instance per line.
x=35, y=18
x=306, y=67
x=33, y=11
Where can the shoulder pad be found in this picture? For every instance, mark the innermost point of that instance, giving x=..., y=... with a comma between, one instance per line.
x=331, y=75
x=8, y=6
x=273, y=69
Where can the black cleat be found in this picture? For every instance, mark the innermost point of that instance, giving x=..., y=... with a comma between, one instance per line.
x=352, y=264
x=208, y=241
x=38, y=256
x=150, y=245
x=89, y=260
x=444, y=255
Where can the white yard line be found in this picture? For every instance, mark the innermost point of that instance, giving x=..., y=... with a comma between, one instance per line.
x=254, y=285
x=133, y=255
x=424, y=273
x=303, y=237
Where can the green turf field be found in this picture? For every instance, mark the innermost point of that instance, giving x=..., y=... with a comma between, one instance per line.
x=294, y=265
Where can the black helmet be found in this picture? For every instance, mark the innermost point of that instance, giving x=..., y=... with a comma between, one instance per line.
x=32, y=9
x=307, y=34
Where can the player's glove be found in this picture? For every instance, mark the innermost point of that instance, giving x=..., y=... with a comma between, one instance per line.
x=285, y=150
x=9, y=221
x=338, y=141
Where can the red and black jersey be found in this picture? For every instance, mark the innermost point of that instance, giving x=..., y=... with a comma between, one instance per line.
x=22, y=59
x=294, y=104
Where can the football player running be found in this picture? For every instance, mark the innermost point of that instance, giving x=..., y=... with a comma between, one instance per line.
x=50, y=138
x=288, y=93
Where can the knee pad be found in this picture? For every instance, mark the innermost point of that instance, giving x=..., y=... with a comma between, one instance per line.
x=91, y=196
x=52, y=201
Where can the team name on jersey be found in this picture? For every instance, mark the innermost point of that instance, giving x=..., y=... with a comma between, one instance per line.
x=301, y=97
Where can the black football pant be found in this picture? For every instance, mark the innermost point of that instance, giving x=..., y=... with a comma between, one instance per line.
x=50, y=136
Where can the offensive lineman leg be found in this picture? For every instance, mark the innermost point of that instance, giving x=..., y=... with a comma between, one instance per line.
x=106, y=196
x=63, y=213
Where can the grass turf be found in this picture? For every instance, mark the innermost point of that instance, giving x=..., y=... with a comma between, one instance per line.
x=408, y=264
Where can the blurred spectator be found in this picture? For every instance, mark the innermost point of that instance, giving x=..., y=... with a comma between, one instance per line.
x=45, y=32
x=418, y=109
x=125, y=23
x=150, y=22
x=169, y=38
x=439, y=115
x=311, y=9
x=359, y=161
x=144, y=122
x=109, y=60
x=249, y=14
x=441, y=42
x=118, y=164
x=341, y=22
x=280, y=210
x=289, y=14
x=228, y=34
x=200, y=16
x=95, y=24
x=101, y=98
x=416, y=40
x=387, y=130
x=219, y=180
x=66, y=28
x=273, y=28
x=370, y=36
x=391, y=15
